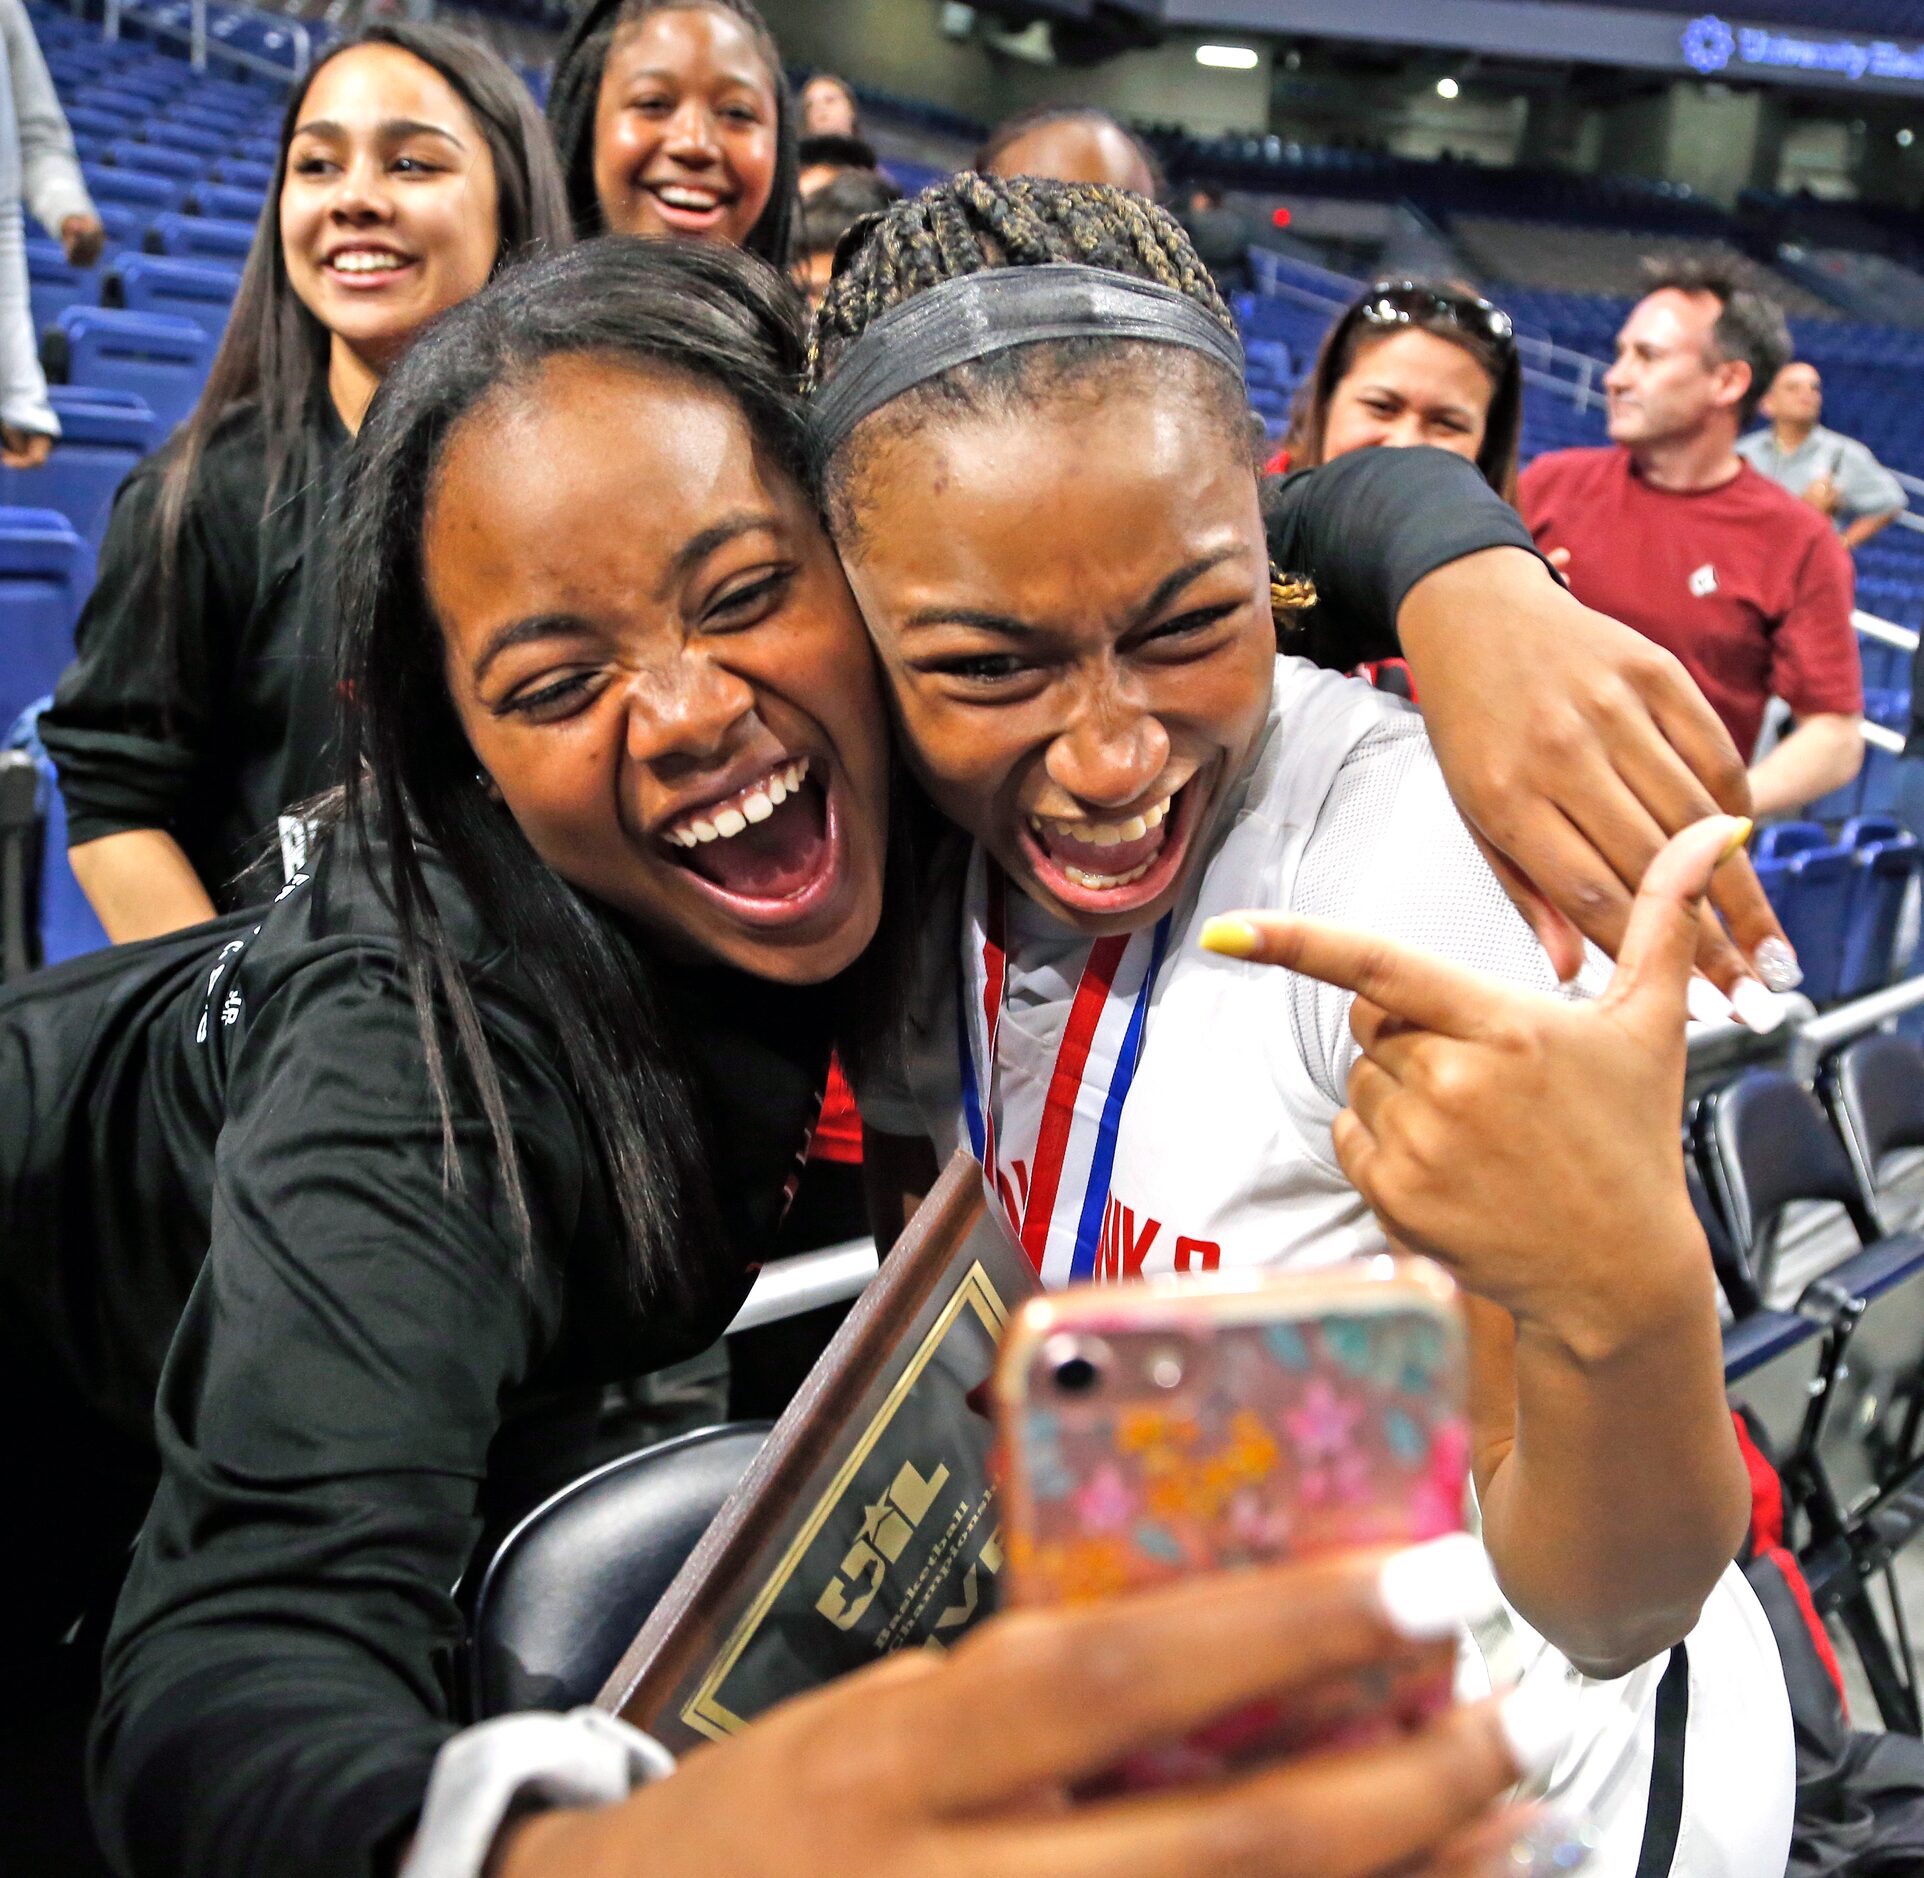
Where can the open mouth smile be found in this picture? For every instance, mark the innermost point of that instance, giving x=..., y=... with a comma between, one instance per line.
x=693, y=207
x=772, y=854
x=1112, y=866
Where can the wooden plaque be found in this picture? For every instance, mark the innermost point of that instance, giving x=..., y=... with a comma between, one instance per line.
x=867, y=1523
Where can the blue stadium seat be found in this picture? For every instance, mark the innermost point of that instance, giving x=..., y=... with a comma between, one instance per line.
x=201, y=291
x=1784, y=838
x=200, y=238
x=67, y=923
x=259, y=149
x=54, y=283
x=125, y=223
x=46, y=571
x=152, y=159
x=1813, y=902
x=197, y=140
x=243, y=173
x=96, y=122
x=234, y=205
x=162, y=358
x=103, y=434
x=1882, y=872
x=1861, y=830
x=135, y=188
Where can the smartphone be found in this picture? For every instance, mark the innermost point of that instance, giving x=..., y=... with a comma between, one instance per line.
x=1197, y=1424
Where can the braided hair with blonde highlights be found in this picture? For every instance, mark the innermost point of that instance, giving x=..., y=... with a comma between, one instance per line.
x=972, y=223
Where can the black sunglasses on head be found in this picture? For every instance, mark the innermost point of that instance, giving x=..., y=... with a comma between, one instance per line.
x=1411, y=303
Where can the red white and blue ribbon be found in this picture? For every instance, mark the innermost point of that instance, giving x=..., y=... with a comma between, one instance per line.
x=1055, y=1194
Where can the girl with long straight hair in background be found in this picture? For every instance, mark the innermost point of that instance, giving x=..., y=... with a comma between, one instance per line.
x=412, y=167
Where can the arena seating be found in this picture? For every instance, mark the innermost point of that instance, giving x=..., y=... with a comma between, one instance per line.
x=103, y=434
x=46, y=571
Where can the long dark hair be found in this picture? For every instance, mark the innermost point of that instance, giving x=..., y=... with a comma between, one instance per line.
x=1446, y=312
x=274, y=353
x=576, y=92
x=704, y=311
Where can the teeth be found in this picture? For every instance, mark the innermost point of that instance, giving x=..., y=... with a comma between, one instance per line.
x=1102, y=881
x=362, y=262
x=687, y=198
x=1104, y=834
x=756, y=806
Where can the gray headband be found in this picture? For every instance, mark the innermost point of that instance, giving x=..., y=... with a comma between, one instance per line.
x=978, y=315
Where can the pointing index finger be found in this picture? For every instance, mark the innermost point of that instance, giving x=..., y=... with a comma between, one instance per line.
x=1412, y=985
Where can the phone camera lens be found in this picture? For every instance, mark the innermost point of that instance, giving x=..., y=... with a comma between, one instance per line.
x=1076, y=1375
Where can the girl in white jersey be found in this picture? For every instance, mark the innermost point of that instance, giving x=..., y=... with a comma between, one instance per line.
x=1042, y=486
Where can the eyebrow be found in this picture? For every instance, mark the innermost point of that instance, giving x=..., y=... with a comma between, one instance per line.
x=523, y=632
x=395, y=129
x=692, y=552
x=1166, y=590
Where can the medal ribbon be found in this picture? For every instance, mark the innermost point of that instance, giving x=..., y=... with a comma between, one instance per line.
x=1065, y=1103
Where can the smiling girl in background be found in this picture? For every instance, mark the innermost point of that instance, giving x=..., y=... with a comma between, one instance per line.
x=197, y=710
x=673, y=118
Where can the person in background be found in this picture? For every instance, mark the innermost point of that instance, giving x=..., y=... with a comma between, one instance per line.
x=1220, y=235
x=197, y=713
x=829, y=108
x=37, y=165
x=1410, y=362
x=1668, y=529
x=1071, y=143
x=674, y=119
x=827, y=216
x=826, y=155
x=1835, y=474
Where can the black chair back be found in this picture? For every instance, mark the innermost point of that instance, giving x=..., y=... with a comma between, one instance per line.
x=1874, y=1089
x=569, y=1587
x=1763, y=1145
x=1738, y=1282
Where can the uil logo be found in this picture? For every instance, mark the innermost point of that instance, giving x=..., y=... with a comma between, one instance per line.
x=886, y=1529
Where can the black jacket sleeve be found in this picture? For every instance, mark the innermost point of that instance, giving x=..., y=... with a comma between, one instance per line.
x=1366, y=528
x=137, y=714
x=280, y=1672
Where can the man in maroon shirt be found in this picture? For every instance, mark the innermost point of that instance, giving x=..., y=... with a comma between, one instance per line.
x=1670, y=531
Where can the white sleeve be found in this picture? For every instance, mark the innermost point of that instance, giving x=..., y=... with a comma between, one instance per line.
x=502, y=1768
x=50, y=178
x=1390, y=855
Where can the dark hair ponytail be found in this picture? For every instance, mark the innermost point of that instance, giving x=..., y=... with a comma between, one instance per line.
x=411, y=778
x=575, y=94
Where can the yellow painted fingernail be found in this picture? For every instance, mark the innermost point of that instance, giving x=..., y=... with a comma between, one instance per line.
x=1236, y=938
x=1738, y=836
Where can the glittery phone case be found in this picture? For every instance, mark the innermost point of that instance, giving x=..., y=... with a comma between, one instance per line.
x=1185, y=1425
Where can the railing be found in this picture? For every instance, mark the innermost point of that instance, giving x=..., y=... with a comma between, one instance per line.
x=200, y=43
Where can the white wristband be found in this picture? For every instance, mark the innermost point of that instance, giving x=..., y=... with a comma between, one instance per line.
x=496, y=1768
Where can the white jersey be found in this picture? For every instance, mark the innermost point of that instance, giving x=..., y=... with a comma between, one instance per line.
x=1225, y=1078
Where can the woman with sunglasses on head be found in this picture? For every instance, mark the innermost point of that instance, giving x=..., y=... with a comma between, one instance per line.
x=673, y=118
x=499, y=1102
x=197, y=711
x=1125, y=762
x=1415, y=362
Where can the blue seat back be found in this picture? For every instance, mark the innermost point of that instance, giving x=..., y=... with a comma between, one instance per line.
x=1783, y=838
x=150, y=159
x=99, y=445
x=201, y=238
x=244, y=173
x=1861, y=830
x=201, y=291
x=46, y=571
x=1811, y=891
x=1873, y=1087
x=229, y=203
x=133, y=187
x=96, y=122
x=200, y=141
x=1883, y=874
x=54, y=283
x=68, y=924
x=160, y=358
